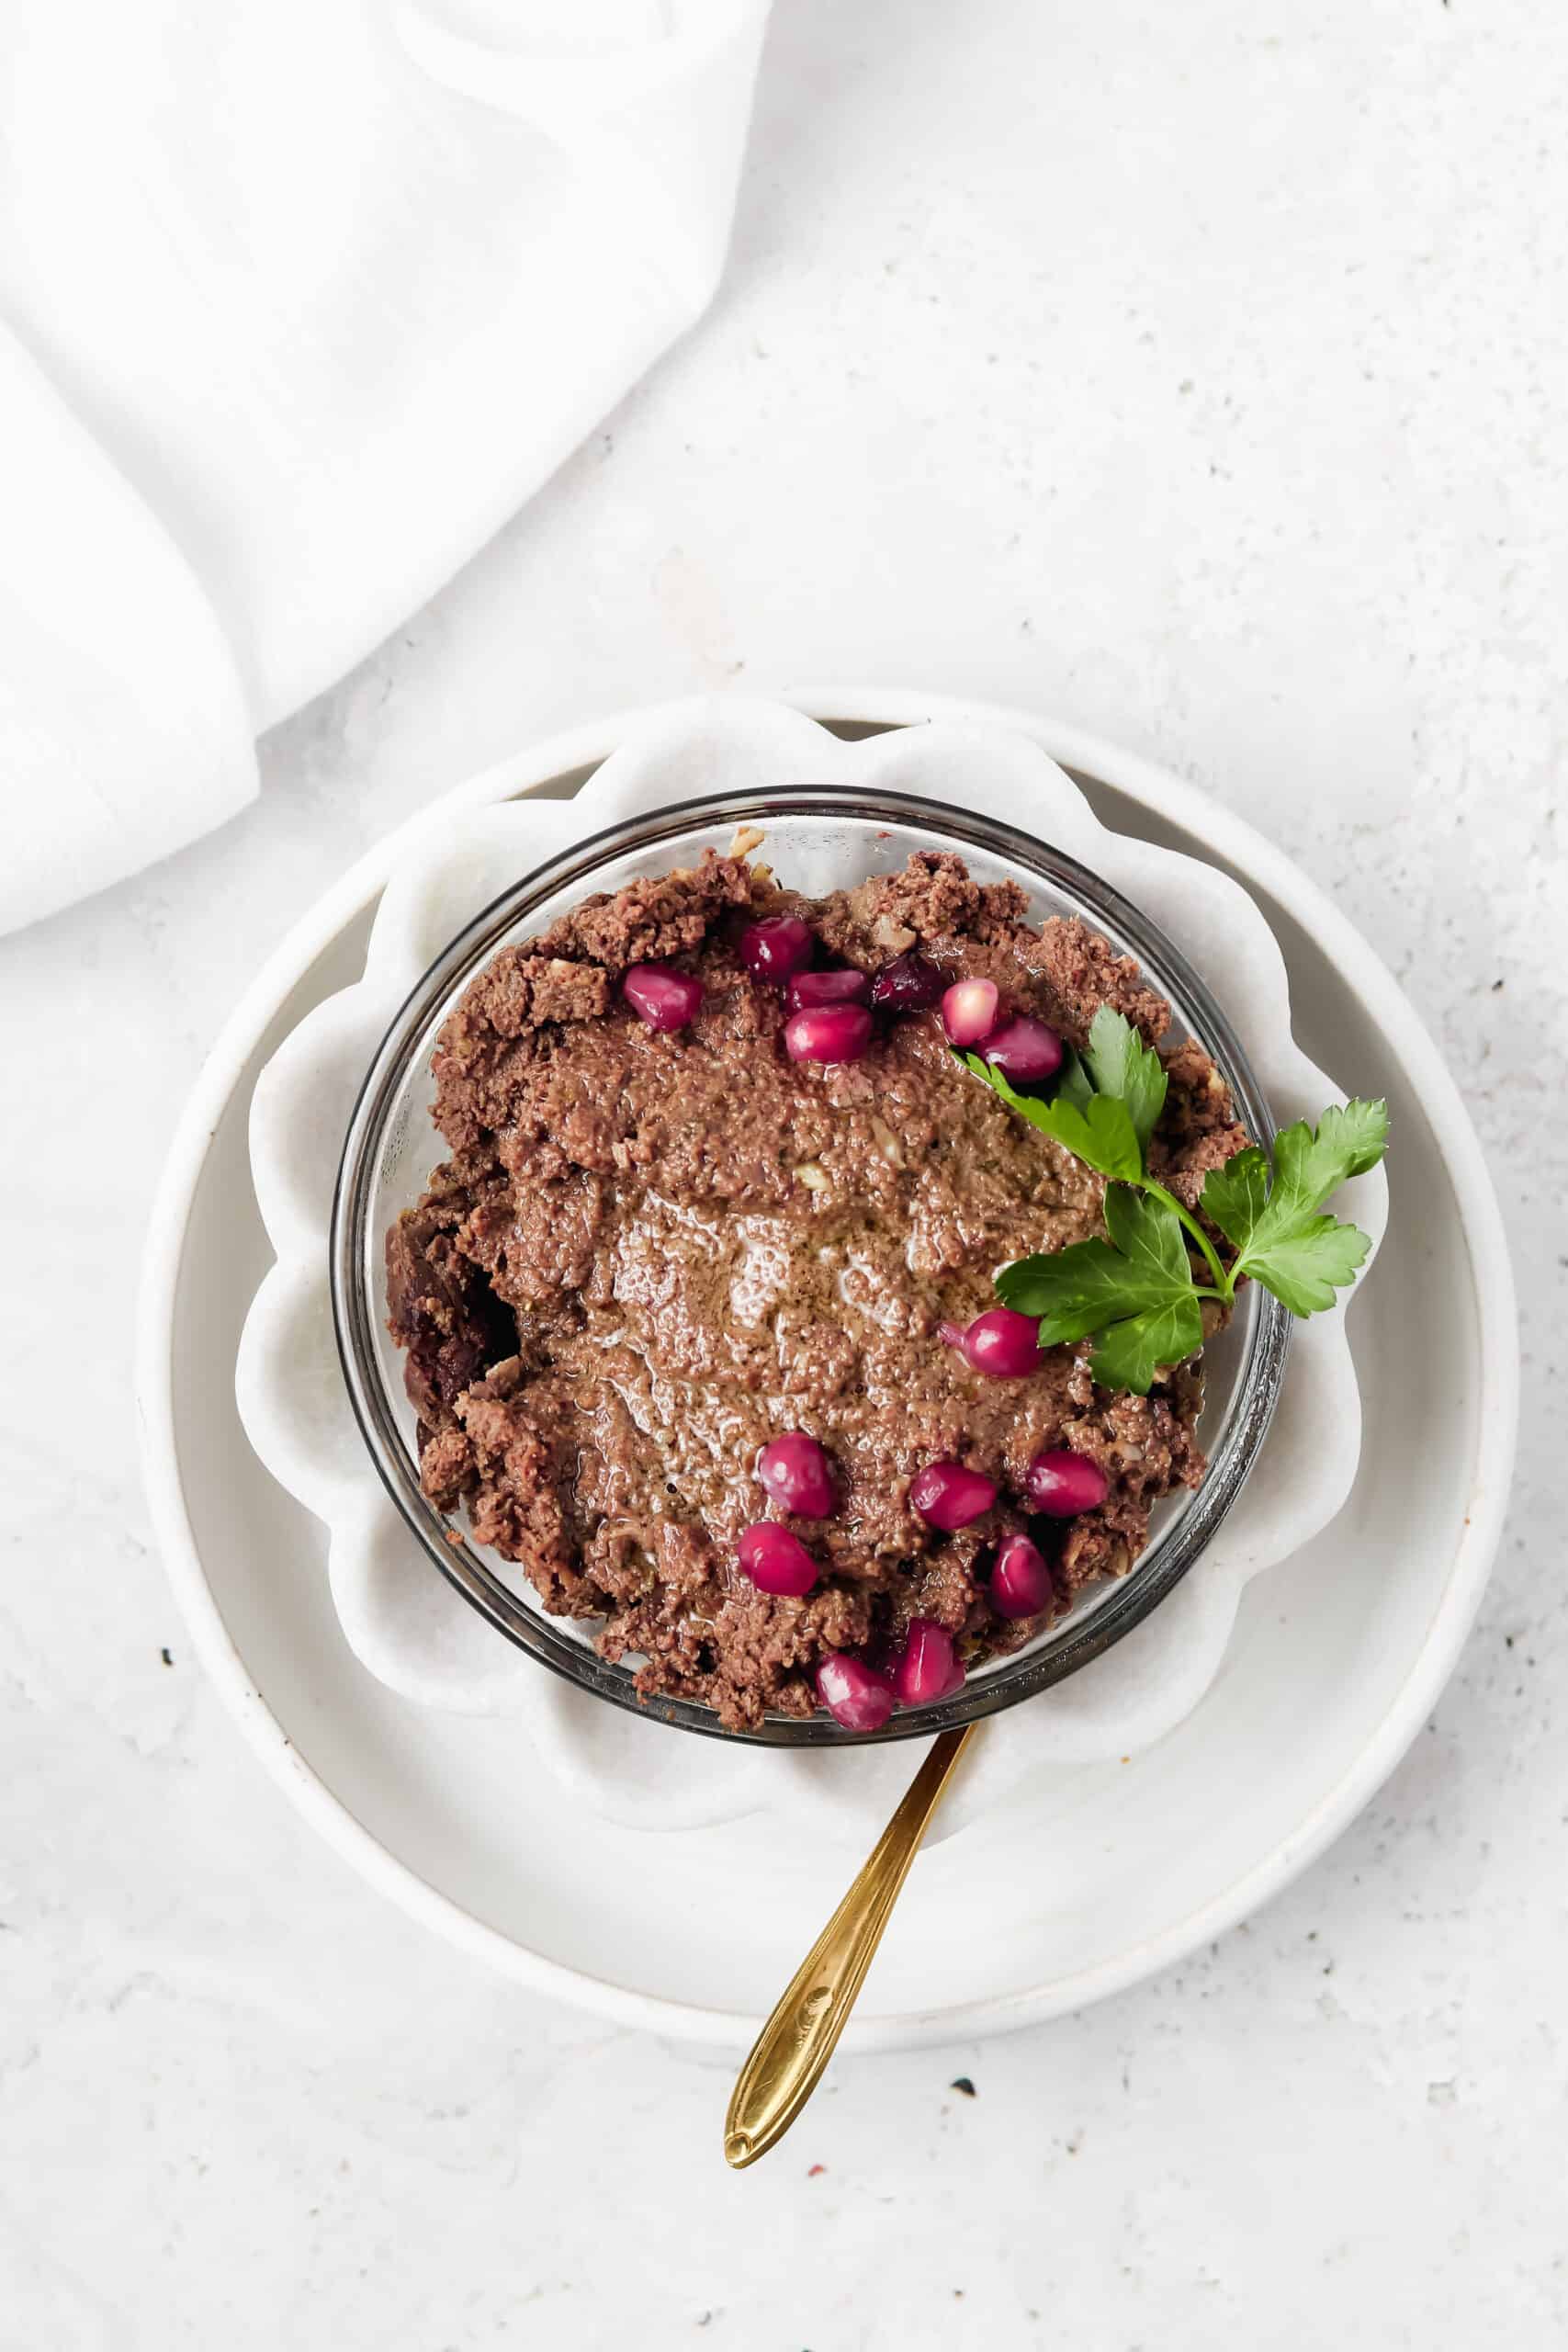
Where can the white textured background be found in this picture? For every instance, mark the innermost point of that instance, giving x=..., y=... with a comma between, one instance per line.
x=1200, y=374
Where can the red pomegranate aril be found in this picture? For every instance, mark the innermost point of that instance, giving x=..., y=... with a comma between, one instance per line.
x=827, y=1033
x=926, y=1669
x=949, y=1494
x=1062, y=1483
x=777, y=1561
x=1027, y=1050
x=660, y=996
x=777, y=948
x=842, y=987
x=796, y=1473
x=1021, y=1581
x=970, y=1010
x=910, y=983
x=1003, y=1344
x=853, y=1693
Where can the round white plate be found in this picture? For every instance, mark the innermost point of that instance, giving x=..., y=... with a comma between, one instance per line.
x=1115, y=1870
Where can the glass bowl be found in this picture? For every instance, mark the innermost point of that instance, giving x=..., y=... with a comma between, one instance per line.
x=818, y=839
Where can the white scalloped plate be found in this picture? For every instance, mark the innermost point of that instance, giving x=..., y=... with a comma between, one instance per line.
x=1331, y=1669
x=417, y=1635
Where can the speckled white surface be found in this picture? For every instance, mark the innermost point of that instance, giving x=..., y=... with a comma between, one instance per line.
x=1234, y=357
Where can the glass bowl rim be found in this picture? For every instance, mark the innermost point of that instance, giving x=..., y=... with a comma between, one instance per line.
x=1124, y=1605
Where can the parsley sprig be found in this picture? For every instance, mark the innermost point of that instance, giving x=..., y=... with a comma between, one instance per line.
x=1135, y=1293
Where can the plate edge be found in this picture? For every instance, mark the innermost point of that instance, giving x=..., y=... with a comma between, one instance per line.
x=1149, y=785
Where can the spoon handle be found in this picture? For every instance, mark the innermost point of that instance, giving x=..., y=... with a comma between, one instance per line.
x=795, y=2044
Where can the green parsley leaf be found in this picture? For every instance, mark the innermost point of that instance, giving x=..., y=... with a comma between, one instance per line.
x=1074, y=1084
x=1128, y=1355
x=1280, y=1237
x=1101, y=1135
x=1308, y=1165
x=1147, y=1231
x=1302, y=1269
x=1073, y=1291
x=1142, y=1270
x=1121, y=1065
x=1235, y=1196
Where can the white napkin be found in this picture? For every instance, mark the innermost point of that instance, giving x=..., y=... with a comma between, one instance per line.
x=303, y=300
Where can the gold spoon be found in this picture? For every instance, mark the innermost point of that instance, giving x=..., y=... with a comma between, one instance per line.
x=790, y=2054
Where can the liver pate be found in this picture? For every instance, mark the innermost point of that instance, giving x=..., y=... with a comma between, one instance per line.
x=649, y=1253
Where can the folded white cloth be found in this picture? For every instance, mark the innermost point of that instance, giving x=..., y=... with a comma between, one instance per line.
x=302, y=303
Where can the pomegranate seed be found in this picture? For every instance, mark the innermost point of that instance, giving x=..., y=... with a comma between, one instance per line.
x=1026, y=1048
x=777, y=948
x=795, y=1471
x=925, y=1669
x=660, y=996
x=969, y=1010
x=910, y=984
x=775, y=1560
x=1021, y=1581
x=1063, y=1484
x=947, y=1495
x=1003, y=1344
x=845, y=987
x=853, y=1693
x=827, y=1033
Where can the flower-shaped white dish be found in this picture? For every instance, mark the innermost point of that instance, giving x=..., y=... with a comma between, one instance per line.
x=822, y=837
x=405, y=1623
